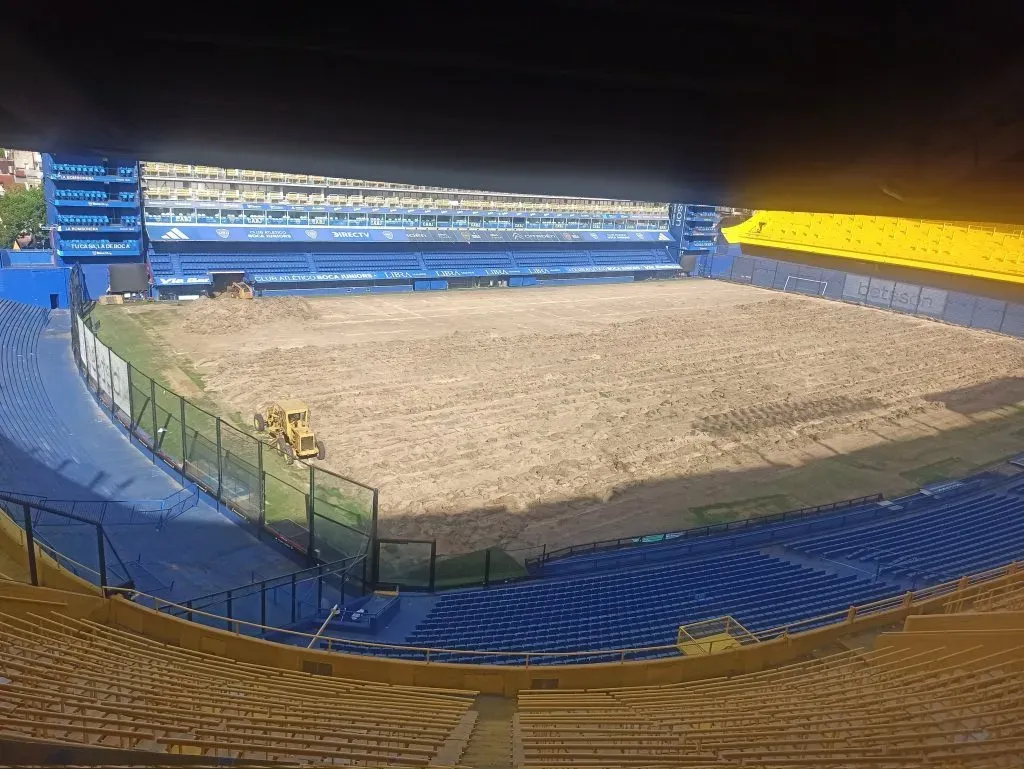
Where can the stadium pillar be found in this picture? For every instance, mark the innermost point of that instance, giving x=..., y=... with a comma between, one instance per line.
x=30, y=543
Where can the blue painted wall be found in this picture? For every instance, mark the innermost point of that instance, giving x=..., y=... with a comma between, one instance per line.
x=26, y=256
x=35, y=285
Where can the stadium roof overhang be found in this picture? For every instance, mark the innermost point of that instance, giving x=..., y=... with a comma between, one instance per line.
x=795, y=107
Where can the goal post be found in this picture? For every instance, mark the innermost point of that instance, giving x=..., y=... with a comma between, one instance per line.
x=805, y=285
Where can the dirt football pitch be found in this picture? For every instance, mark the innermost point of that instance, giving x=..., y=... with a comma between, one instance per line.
x=563, y=415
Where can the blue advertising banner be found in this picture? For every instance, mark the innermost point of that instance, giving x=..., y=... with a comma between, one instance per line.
x=242, y=234
x=342, y=277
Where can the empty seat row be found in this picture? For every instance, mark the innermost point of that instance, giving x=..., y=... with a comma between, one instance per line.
x=80, y=169
x=62, y=194
x=83, y=219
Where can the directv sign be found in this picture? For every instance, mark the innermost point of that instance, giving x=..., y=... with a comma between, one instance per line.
x=166, y=233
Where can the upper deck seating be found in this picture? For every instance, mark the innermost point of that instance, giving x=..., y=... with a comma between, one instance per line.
x=983, y=250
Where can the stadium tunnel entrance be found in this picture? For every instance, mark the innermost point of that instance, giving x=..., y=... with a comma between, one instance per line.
x=222, y=280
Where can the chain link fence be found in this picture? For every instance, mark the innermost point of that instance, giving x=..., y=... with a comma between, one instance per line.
x=323, y=515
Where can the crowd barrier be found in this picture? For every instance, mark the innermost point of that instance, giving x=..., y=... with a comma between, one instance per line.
x=322, y=515
x=954, y=307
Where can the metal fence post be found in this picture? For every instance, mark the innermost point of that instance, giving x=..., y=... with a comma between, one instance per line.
x=487, y=566
x=293, y=597
x=433, y=563
x=110, y=382
x=320, y=586
x=152, y=407
x=230, y=615
x=102, y=553
x=262, y=476
x=184, y=441
x=220, y=465
x=373, y=551
x=263, y=604
x=30, y=542
x=310, y=549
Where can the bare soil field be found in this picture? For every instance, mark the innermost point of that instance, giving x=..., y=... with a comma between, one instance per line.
x=562, y=415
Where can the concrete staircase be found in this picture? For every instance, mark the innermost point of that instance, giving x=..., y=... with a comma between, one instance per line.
x=490, y=746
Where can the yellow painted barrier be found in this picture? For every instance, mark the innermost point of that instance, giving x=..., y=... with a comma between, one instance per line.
x=990, y=251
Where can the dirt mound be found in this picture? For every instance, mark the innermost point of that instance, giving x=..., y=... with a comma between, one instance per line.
x=226, y=314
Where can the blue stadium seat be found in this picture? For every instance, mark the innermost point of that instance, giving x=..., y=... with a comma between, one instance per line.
x=633, y=256
x=566, y=258
x=470, y=260
x=367, y=262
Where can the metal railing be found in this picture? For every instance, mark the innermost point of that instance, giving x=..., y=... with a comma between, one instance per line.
x=293, y=597
x=895, y=605
x=55, y=532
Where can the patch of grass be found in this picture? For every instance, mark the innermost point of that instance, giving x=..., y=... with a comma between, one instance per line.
x=452, y=571
x=943, y=470
x=721, y=512
x=133, y=337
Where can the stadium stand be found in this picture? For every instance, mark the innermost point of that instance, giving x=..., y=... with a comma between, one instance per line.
x=917, y=699
x=977, y=249
x=81, y=682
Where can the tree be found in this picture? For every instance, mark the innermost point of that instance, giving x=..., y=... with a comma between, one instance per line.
x=21, y=211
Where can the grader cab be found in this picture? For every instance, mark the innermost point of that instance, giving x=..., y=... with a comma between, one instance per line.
x=288, y=423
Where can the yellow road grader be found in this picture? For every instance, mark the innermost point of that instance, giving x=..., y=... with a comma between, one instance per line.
x=288, y=423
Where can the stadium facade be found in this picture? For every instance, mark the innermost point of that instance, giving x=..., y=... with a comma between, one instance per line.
x=201, y=228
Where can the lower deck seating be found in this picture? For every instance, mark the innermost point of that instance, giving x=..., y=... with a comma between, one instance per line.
x=203, y=263
x=627, y=609
x=553, y=258
x=633, y=256
x=467, y=260
x=80, y=682
x=367, y=262
x=905, y=707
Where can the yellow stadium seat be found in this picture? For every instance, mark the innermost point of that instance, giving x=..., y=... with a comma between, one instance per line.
x=83, y=683
x=980, y=250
